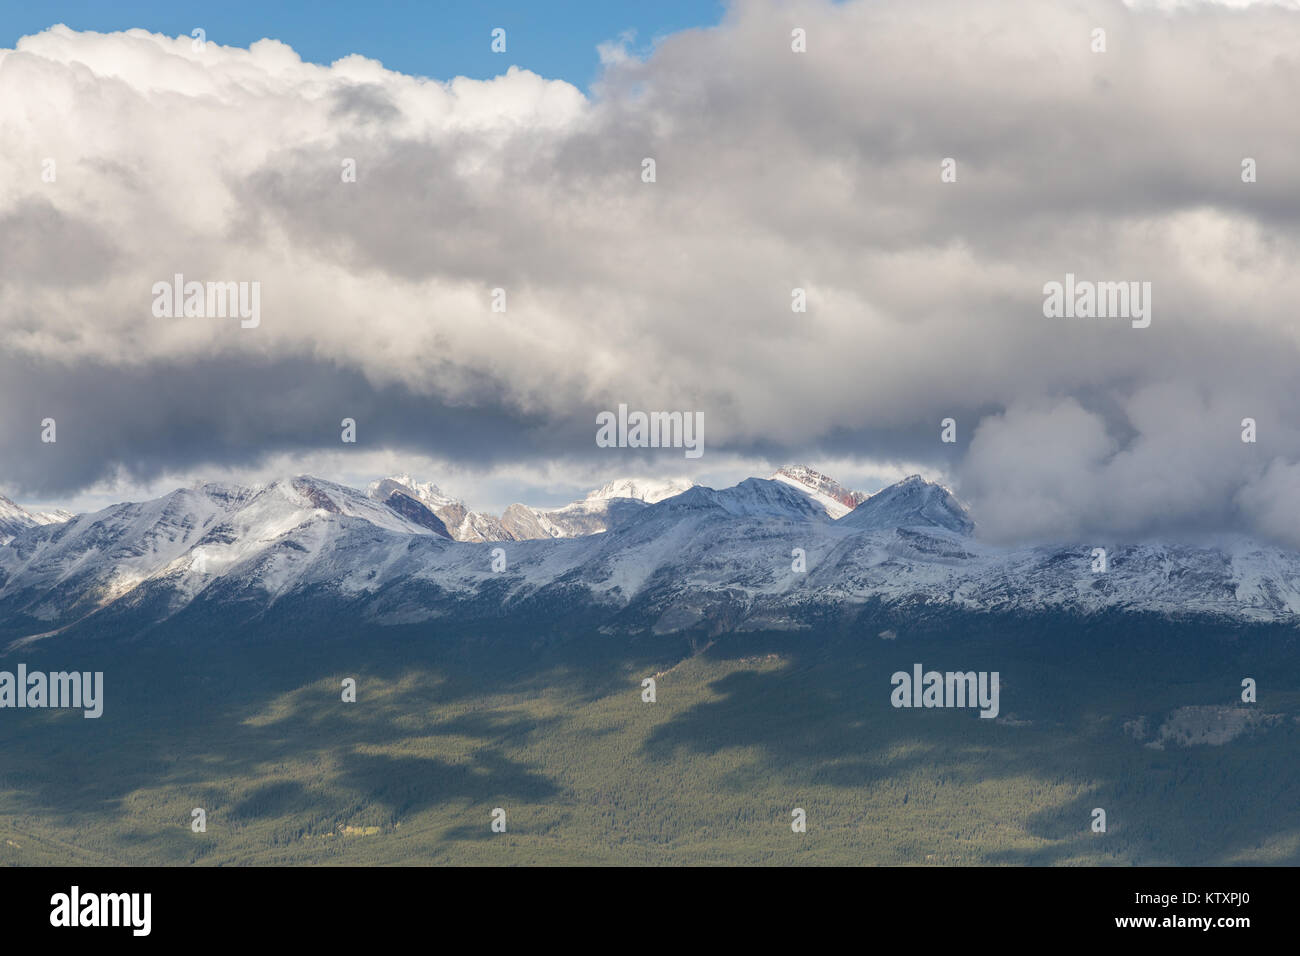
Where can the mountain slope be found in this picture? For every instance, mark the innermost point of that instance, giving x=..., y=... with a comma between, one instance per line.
x=15, y=519
x=186, y=539
x=763, y=554
x=913, y=502
x=457, y=521
x=834, y=497
x=605, y=508
x=641, y=489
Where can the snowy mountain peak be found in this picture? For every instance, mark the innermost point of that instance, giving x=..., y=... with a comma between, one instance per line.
x=15, y=518
x=826, y=491
x=425, y=492
x=912, y=502
x=10, y=510
x=302, y=495
x=641, y=489
x=753, y=497
x=408, y=497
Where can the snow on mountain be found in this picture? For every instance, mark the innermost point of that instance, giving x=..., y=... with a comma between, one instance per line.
x=826, y=491
x=609, y=506
x=339, y=499
x=602, y=509
x=423, y=503
x=189, y=536
x=581, y=518
x=753, y=497
x=405, y=495
x=95, y=558
x=762, y=554
x=641, y=489
x=15, y=518
x=425, y=492
x=706, y=546
x=909, y=503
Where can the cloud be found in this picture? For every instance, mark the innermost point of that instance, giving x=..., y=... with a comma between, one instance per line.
x=1269, y=501
x=775, y=170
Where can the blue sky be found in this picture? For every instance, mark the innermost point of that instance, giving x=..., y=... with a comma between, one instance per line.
x=436, y=38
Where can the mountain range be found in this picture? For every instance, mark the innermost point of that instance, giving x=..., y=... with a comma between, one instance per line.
x=639, y=557
x=604, y=508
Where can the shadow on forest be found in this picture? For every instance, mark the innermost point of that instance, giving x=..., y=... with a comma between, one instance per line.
x=196, y=714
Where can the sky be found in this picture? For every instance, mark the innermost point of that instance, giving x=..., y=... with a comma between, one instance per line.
x=434, y=38
x=776, y=170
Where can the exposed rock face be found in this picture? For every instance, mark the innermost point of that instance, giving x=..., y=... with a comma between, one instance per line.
x=837, y=499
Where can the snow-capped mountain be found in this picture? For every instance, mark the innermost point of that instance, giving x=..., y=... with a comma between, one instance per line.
x=186, y=539
x=15, y=518
x=641, y=489
x=602, y=509
x=400, y=491
x=913, y=502
x=762, y=554
x=609, y=506
x=834, y=497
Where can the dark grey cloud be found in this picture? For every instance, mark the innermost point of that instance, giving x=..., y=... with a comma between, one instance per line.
x=43, y=246
x=159, y=419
